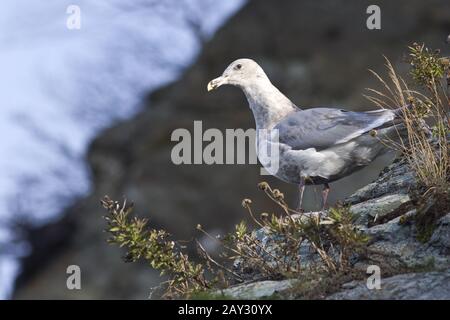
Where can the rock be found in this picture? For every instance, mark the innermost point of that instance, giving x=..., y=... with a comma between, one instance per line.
x=395, y=178
x=441, y=235
x=396, y=245
x=374, y=210
x=258, y=290
x=412, y=286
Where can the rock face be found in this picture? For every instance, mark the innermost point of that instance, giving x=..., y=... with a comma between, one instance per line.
x=412, y=286
x=396, y=245
x=393, y=245
x=316, y=52
x=258, y=290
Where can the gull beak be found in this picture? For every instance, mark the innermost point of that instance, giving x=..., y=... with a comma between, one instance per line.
x=215, y=83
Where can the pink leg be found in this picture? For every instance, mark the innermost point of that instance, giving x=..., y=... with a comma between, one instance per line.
x=325, y=191
x=301, y=190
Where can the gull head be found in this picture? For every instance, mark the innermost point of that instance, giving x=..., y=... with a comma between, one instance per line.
x=239, y=73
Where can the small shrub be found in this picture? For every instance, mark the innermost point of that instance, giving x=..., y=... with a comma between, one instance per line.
x=153, y=246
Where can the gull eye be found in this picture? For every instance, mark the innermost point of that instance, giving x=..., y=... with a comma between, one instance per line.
x=238, y=66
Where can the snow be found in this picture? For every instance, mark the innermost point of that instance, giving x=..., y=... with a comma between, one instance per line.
x=59, y=87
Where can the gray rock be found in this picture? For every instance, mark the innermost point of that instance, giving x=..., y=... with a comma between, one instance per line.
x=414, y=286
x=374, y=210
x=258, y=290
x=396, y=178
x=396, y=245
x=441, y=235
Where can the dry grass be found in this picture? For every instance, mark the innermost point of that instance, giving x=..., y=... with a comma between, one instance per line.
x=427, y=150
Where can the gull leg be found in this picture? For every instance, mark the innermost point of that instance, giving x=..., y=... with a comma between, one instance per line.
x=301, y=189
x=325, y=191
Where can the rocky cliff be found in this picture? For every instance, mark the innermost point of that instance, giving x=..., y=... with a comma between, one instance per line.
x=317, y=52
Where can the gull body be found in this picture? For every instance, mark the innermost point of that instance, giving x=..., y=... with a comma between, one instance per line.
x=315, y=146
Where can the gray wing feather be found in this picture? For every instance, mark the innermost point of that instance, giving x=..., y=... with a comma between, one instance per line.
x=322, y=128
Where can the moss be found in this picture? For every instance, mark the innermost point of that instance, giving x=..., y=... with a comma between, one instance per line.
x=209, y=295
x=319, y=285
x=404, y=219
x=273, y=296
x=425, y=232
x=429, y=211
x=219, y=295
x=427, y=266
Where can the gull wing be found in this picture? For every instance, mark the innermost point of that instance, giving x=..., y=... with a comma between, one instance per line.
x=322, y=128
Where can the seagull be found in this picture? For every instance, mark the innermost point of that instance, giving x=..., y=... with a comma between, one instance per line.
x=315, y=146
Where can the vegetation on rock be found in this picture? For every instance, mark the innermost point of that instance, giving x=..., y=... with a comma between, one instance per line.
x=427, y=151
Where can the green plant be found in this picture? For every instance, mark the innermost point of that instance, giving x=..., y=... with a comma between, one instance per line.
x=428, y=67
x=153, y=246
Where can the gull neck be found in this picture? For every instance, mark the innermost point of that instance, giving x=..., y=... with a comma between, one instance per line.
x=267, y=103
